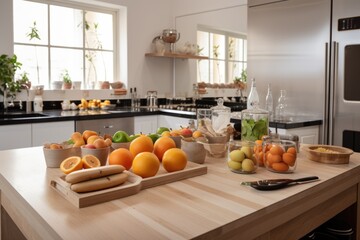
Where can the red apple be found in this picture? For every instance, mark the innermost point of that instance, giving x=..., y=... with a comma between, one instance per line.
x=91, y=146
x=186, y=132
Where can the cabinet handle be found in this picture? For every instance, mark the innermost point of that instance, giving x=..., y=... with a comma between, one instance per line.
x=110, y=126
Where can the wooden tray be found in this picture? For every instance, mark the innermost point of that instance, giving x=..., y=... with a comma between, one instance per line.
x=132, y=186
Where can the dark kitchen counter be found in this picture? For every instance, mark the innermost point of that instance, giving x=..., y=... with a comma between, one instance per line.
x=75, y=115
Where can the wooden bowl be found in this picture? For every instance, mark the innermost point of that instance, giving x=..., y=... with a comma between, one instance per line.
x=328, y=154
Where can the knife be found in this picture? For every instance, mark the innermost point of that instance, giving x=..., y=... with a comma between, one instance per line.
x=272, y=184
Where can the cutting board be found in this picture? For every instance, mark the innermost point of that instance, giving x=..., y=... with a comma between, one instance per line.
x=133, y=185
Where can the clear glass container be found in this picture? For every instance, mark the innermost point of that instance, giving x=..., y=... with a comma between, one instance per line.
x=279, y=155
x=269, y=102
x=254, y=124
x=220, y=116
x=241, y=157
x=281, y=107
x=253, y=99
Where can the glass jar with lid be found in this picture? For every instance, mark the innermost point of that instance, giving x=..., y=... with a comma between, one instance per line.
x=241, y=158
x=254, y=124
x=220, y=116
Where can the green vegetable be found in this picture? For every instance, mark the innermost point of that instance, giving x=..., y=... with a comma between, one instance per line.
x=252, y=130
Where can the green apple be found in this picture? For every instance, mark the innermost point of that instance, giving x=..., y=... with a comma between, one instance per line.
x=237, y=155
x=154, y=136
x=120, y=136
x=133, y=136
x=160, y=130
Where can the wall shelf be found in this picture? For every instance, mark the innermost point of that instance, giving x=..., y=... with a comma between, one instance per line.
x=175, y=55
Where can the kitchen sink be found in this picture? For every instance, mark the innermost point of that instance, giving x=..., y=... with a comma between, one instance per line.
x=17, y=115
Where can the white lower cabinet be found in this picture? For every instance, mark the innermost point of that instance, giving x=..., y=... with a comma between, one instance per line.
x=51, y=132
x=145, y=124
x=15, y=136
x=172, y=122
x=309, y=135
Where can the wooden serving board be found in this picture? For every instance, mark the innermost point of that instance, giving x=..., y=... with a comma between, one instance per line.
x=133, y=185
x=130, y=187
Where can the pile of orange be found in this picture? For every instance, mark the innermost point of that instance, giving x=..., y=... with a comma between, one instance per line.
x=279, y=159
x=145, y=157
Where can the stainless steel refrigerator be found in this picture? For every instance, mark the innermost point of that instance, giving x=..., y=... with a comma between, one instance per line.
x=311, y=48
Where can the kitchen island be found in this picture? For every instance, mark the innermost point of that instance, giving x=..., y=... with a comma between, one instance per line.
x=210, y=206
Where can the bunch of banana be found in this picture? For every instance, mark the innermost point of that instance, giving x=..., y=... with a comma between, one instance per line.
x=205, y=127
x=84, y=104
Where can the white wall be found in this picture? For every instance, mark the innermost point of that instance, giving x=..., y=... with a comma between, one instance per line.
x=145, y=20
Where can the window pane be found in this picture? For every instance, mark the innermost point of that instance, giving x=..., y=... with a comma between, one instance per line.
x=218, y=71
x=203, y=71
x=245, y=50
x=99, y=66
x=35, y=62
x=236, y=51
x=217, y=46
x=67, y=32
x=26, y=14
x=235, y=69
x=98, y=30
x=203, y=43
x=66, y=59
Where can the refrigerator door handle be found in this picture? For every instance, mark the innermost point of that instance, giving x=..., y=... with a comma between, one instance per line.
x=325, y=126
x=333, y=81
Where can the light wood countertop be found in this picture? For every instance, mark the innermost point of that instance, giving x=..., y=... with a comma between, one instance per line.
x=210, y=206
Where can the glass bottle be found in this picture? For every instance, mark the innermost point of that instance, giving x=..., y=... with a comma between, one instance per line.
x=269, y=103
x=281, y=107
x=253, y=99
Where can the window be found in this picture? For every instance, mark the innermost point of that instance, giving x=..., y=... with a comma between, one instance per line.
x=52, y=39
x=226, y=52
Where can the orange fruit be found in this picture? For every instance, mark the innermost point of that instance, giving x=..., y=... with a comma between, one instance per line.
x=174, y=159
x=163, y=144
x=71, y=164
x=87, y=133
x=141, y=144
x=121, y=156
x=92, y=139
x=145, y=164
x=292, y=150
x=76, y=136
x=90, y=161
x=197, y=134
x=108, y=141
x=272, y=158
x=289, y=159
x=100, y=143
x=276, y=150
x=280, y=167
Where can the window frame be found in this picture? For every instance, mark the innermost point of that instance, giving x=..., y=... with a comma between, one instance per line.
x=83, y=6
x=227, y=35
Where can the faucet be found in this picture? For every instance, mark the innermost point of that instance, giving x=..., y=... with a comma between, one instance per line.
x=28, y=103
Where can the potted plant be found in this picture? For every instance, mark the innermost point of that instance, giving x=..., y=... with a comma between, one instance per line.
x=24, y=81
x=8, y=67
x=67, y=82
x=240, y=82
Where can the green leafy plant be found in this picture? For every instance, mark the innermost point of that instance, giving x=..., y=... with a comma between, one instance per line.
x=66, y=77
x=8, y=67
x=34, y=34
